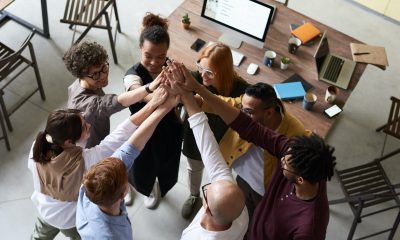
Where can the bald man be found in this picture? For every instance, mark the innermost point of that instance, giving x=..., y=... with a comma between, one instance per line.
x=223, y=215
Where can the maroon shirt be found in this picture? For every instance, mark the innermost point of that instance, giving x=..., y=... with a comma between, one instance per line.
x=280, y=214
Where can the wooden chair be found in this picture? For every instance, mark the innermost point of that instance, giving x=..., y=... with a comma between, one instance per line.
x=392, y=127
x=11, y=61
x=92, y=14
x=284, y=2
x=4, y=130
x=369, y=191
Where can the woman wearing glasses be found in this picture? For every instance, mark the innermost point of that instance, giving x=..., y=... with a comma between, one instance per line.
x=87, y=61
x=155, y=171
x=215, y=71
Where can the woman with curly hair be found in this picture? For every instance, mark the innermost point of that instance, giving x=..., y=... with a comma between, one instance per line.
x=155, y=171
x=88, y=62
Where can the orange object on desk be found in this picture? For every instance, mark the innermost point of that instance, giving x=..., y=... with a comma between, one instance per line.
x=306, y=32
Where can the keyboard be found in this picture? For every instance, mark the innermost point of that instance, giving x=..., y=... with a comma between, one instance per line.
x=333, y=69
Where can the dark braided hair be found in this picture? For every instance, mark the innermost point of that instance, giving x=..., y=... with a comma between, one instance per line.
x=155, y=30
x=312, y=158
x=266, y=94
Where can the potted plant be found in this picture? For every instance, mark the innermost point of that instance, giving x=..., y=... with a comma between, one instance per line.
x=186, y=21
x=285, y=62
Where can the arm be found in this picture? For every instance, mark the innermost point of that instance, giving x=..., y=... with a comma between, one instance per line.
x=137, y=92
x=248, y=129
x=124, y=130
x=224, y=110
x=130, y=150
x=214, y=163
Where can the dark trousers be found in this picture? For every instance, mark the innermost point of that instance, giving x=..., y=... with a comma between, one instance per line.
x=252, y=198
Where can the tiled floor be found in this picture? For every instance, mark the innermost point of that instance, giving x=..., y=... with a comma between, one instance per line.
x=353, y=135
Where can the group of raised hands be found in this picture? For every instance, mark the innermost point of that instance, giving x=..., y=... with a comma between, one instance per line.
x=173, y=84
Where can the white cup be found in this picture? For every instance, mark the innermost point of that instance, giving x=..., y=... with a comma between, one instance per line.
x=331, y=94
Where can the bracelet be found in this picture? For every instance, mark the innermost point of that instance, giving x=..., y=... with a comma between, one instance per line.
x=147, y=87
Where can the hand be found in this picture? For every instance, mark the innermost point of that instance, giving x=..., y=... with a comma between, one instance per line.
x=161, y=78
x=171, y=101
x=190, y=83
x=159, y=97
x=174, y=72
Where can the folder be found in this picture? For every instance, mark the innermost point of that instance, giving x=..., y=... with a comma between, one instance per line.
x=289, y=91
x=306, y=32
x=369, y=54
x=297, y=78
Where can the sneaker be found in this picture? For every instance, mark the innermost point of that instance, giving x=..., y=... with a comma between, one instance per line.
x=152, y=201
x=129, y=196
x=192, y=204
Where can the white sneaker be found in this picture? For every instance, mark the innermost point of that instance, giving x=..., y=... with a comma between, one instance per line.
x=129, y=196
x=152, y=201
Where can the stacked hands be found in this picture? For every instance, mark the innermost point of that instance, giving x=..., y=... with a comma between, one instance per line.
x=174, y=83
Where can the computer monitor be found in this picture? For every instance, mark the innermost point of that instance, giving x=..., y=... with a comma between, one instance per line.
x=246, y=20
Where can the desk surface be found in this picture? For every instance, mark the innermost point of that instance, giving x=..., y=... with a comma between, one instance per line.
x=5, y=3
x=277, y=37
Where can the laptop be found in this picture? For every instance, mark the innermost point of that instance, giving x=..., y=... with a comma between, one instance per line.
x=333, y=69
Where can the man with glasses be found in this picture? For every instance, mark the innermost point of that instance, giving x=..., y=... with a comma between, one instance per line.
x=223, y=215
x=255, y=166
x=88, y=62
x=295, y=205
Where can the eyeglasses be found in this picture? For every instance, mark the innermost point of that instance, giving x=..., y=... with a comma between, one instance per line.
x=204, y=189
x=208, y=72
x=283, y=164
x=249, y=111
x=96, y=75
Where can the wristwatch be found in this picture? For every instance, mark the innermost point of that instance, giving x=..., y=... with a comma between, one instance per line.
x=147, y=87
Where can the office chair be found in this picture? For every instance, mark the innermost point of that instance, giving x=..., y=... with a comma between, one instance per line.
x=92, y=14
x=368, y=191
x=11, y=61
x=392, y=127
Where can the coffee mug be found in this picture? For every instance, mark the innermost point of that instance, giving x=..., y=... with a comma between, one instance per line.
x=293, y=44
x=309, y=100
x=269, y=58
x=331, y=93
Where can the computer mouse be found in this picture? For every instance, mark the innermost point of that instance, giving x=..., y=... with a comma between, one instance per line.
x=252, y=68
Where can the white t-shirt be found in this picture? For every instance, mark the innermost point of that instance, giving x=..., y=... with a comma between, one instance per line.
x=236, y=232
x=61, y=214
x=217, y=169
x=250, y=167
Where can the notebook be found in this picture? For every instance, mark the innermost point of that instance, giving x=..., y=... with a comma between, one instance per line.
x=306, y=32
x=333, y=69
x=289, y=91
x=297, y=78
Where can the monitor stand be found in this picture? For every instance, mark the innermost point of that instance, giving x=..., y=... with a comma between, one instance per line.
x=230, y=40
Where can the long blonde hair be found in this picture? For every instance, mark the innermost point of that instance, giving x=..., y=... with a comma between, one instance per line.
x=220, y=61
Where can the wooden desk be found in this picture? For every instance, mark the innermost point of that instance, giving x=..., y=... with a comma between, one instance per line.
x=277, y=38
x=5, y=16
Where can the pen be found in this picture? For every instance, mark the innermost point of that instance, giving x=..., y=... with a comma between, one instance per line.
x=361, y=53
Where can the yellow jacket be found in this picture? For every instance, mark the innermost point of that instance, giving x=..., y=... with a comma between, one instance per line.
x=232, y=146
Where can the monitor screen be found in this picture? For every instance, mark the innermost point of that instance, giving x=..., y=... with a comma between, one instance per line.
x=248, y=17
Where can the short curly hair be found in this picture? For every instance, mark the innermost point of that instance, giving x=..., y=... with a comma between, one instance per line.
x=84, y=55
